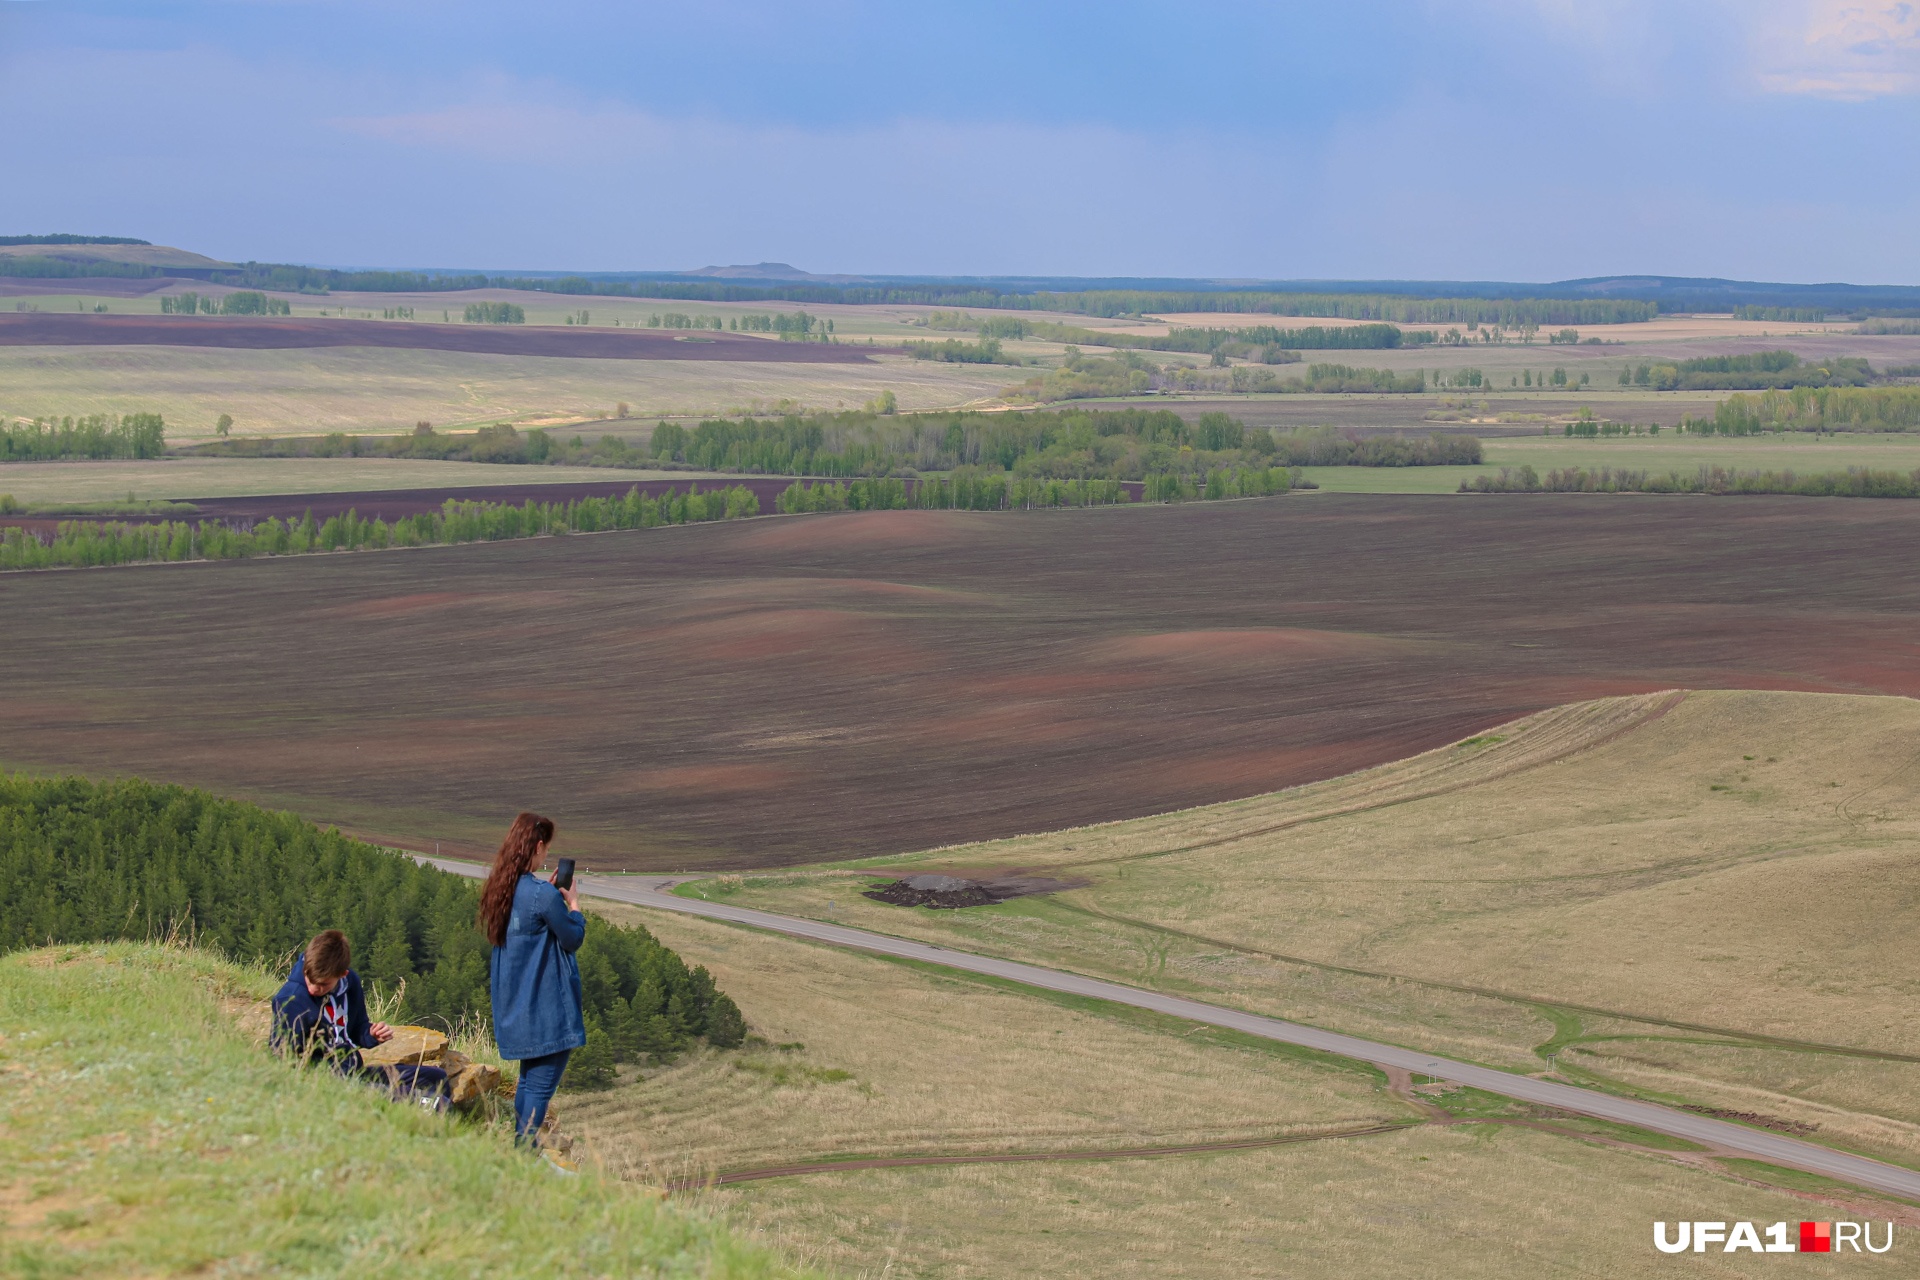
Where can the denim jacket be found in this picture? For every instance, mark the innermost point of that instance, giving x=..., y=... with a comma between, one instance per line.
x=296, y=1018
x=535, y=979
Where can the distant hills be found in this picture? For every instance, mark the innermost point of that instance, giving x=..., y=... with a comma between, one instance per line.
x=77, y=256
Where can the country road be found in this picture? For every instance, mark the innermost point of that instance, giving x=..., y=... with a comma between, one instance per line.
x=1754, y=1143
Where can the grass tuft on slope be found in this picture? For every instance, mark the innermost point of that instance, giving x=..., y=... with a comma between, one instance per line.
x=144, y=1132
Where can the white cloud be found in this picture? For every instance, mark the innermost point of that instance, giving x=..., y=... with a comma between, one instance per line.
x=1845, y=49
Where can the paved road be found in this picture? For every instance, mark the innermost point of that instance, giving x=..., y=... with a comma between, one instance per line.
x=1755, y=1143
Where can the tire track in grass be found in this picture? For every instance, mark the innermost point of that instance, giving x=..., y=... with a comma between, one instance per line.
x=1024, y=1157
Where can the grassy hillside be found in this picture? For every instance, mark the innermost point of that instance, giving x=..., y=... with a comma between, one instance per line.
x=1647, y=894
x=143, y=1132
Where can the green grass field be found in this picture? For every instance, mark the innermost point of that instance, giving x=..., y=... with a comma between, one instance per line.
x=146, y=1132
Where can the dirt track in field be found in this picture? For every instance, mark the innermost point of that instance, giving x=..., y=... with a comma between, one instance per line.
x=36, y=329
x=774, y=691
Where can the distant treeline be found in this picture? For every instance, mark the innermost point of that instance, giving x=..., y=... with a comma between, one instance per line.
x=1122, y=444
x=954, y=351
x=970, y=489
x=241, y=302
x=86, y=862
x=1813, y=409
x=497, y=443
x=1854, y=482
x=35, y=267
x=1757, y=371
x=1326, y=447
x=495, y=313
x=1392, y=308
x=78, y=543
x=1256, y=342
x=1791, y=315
x=1116, y=444
x=100, y=435
x=1085, y=377
x=1889, y=326
x=966, y=490
x=1248, y=342
x=63, y=238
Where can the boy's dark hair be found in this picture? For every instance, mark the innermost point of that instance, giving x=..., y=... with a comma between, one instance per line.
x=328, y=956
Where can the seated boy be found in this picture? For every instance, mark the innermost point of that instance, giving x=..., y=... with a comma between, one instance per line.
x=321, y=1012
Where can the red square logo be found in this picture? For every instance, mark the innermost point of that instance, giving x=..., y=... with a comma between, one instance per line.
x=1816, y=1237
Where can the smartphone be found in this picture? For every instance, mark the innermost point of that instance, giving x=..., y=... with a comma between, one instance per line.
x=563, y=874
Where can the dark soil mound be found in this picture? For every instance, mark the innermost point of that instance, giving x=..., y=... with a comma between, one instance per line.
x=901, y=893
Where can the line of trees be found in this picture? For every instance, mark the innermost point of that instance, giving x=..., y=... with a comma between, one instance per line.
x=33, y=266
x=1754, y=372
x=86, y=862
x=1854, y=482
x=1120, y=444
x=965, y=490
x=1792, y=315
x=1221, y=483
x=1084, y=377
x=1813, y=409
x=68, y=238
x=954, y=351
x=1247, y=341
x=971, y=489
x=681, y=320
x=1326, y=447
x=99, y=435
x=241, y=302
x=495, y=313
x=85, y=543
x=1512, y=313
x=790, y=326
x=1067, y=443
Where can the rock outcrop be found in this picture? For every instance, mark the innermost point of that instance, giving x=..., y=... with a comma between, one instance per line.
x=467, y=1080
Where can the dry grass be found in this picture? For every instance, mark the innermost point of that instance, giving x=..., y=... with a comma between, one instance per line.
x=363, y=389
x=856, y=1056
x=898, y=1059
x=1736, y=862
x=1420, y=1203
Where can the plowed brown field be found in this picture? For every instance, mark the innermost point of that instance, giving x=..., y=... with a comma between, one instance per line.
x=34, y=329
x=773, y=691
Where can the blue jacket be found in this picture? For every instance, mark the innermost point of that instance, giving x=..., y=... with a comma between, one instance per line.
x=296, y=1015
x=535, y=979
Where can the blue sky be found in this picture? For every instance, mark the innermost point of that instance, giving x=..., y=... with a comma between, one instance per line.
x=1466, y=139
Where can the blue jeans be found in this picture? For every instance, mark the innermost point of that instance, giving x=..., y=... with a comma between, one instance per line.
x=539, y=1077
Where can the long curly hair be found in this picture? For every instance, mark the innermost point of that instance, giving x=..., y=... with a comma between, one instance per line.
x=516, y=857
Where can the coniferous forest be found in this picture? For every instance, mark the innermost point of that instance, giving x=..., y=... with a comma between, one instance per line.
x=130, y=859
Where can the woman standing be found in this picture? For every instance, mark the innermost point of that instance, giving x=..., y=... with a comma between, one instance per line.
x=535, y=928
